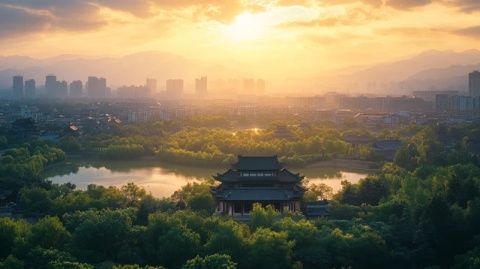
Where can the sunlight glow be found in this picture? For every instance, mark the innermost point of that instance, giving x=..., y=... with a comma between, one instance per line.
x=246, y=26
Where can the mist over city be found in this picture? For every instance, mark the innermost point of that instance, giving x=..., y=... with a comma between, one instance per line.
x=159, y=134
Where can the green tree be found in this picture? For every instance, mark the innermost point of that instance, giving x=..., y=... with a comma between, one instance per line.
x=69, y=265
x=99, y=235
x=215, y=261
x=317, y=192
x=262, y=217
x=228, y=237
x=469, y=260
x=11, y=231
x=136, y=266
x=12, y=263
x=269, y=249
x=35, y=200
x=3, y=142
x=168, y=242
x=197, y=196
x=133, y=193
x=48, y=233
x=69, y=143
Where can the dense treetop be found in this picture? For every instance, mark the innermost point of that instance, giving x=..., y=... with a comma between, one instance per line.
x=422, y=210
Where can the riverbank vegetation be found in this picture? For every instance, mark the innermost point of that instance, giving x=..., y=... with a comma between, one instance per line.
x=219, y=141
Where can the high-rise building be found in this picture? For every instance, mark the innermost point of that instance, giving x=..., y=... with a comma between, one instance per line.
x=97, y=87
x=133, y=92
x=201, y=86
x=474, y=83
x=51, y=85
x=62, y=89
x=260, y=85
x=18, y=86
x=174, y=88
x=55, y=88
x=76, y=89
x=248, y=84
x=30, y=88
x=152, y=85
x=441, y=102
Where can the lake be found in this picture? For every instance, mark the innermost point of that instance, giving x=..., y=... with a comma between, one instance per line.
x=162, y=180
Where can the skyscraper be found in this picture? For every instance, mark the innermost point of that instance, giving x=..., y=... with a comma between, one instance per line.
x=133, y=92
x=248, y=85
x=30, y=88
x=51, y=85
x=201, y=86
x=97, y=87
x=174, y=88
x=76, y=89
x=260, y=85
x=55, y=88
x=62, y=89
x=18, y=86
x=152, y=85
x=474, y=83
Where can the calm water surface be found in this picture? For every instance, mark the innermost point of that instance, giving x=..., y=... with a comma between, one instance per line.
x=162, y=180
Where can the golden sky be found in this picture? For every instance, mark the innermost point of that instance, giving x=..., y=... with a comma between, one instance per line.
x=267, y=37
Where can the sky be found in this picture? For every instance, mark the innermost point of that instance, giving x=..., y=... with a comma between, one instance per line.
x=277, y=38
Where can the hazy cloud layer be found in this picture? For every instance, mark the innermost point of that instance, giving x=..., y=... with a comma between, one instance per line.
x=406, y=4
x=473, y=31
x=24, y=16
x=398, y=4
x=466, y=5
x=14, y=22
x=33, y=15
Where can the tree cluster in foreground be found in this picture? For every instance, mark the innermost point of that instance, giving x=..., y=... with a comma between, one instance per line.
x=422, y=210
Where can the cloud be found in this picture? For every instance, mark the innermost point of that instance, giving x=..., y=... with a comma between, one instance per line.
x=331, y=16
x=407, y=4
x=69, y=15
x=15, y=22
x=376, y=3
x=86, y=15
x=465, y=5
x=410, y=31
x=30, y=16
x=473, y=31
x=397, y=4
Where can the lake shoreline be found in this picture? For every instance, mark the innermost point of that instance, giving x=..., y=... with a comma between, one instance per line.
x=148, y=161
x=360, y=165
x=162, y=178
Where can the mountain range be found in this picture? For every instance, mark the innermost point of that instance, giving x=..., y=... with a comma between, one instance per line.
x=429, y=70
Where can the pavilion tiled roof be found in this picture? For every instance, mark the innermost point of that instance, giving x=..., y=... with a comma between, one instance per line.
x=257, y=163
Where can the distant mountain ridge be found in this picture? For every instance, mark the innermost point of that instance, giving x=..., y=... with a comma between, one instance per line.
x=429, y=70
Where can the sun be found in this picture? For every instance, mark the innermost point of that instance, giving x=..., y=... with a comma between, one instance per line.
x=246, y=26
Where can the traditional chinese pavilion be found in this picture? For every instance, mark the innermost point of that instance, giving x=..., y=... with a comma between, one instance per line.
x=257, y=180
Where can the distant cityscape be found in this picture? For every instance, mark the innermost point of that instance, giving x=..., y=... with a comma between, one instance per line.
x=173, y=89
x=97, y=88
x=95, y=106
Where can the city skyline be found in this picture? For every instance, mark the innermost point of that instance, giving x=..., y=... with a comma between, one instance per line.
x=254, y=36
x=96, y=87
